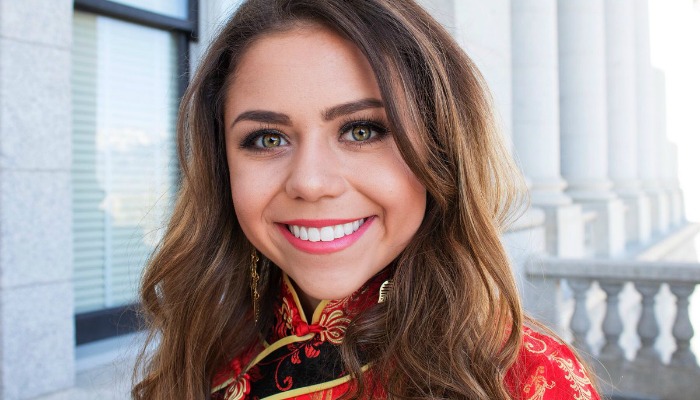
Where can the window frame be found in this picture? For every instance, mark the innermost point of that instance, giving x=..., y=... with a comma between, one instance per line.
x=109, y=322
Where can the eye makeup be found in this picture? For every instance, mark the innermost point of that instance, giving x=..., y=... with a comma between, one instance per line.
x=353, y=131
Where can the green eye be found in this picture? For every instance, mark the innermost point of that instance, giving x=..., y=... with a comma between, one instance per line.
x=360, y=133
x=363, y=132
x=263, y=140
x=269, y=140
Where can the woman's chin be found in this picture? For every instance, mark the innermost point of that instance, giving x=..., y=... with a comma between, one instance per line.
x=315, y=290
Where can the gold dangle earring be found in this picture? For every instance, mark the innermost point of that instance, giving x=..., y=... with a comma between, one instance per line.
x=254, y=278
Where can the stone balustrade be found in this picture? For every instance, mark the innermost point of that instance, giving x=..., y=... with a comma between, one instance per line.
x=593, y=291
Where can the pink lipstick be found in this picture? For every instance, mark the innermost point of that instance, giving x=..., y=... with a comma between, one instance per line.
x=324, y=236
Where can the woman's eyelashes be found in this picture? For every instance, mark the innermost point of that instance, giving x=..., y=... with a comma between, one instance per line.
x=263, y=140
x=363, y=132
x=354, y=132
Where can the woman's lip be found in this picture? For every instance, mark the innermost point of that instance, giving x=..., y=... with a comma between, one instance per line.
x=319, y=223
x=322, y=247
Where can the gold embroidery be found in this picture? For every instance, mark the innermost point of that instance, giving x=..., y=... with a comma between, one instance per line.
x=238, y=390
x=537, y=385
x=532, y=344
x=287, y=315
x=579, y=380
x=335, y=323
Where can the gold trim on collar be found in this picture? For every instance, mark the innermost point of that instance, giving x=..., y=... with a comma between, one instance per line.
x=269, y=348
x=287, y=281
x=266, y=351
x=313, y=388
x=317, y=311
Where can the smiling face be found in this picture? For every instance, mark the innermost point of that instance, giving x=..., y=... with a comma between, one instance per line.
x=318, y=184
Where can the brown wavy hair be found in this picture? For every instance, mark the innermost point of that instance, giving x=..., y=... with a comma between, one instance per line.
x=451, y=328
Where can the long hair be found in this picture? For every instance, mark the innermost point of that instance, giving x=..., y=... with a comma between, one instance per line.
x=451, y=327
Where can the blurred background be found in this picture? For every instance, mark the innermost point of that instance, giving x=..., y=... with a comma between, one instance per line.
x=675, y=49
x=599, y=101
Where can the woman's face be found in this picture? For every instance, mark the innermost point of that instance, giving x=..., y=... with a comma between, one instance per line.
x=318, y=184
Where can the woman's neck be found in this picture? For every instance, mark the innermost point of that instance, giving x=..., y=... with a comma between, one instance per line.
x=308, y=303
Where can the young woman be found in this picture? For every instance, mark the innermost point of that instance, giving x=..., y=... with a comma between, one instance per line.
x=337, y=228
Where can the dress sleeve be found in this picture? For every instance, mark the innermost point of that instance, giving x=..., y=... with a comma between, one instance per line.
x=548, y=370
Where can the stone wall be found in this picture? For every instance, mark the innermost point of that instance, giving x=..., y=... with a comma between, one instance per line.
x=36, y=294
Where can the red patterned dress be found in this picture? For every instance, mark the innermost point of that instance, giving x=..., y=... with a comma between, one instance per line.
x=300, y=360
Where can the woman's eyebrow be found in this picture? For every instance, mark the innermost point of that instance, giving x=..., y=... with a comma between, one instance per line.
x=351, y=107
x=271, y=117
x=268, y=117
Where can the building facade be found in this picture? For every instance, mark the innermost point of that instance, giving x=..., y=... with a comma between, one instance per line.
x=88, y=101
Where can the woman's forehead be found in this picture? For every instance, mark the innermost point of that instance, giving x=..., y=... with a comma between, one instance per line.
x=307, y=66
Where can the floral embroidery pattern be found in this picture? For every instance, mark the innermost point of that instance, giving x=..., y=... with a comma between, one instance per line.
x=544, y=370
x=533, y=344
x=548, y=370
x=312, y=357
x=233, y=380
x=286, y=319
x=239, y=390
x=537, y=385
x=335, y=323
x=285, y=382
x=579, y=381
x=330, y=328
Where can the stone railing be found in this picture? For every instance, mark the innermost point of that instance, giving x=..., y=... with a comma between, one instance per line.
x=630, y=318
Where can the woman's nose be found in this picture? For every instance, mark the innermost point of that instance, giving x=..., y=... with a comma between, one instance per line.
x=316, y=172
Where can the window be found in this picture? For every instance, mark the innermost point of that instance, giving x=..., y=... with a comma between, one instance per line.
x=173, y=8
x=129, y=71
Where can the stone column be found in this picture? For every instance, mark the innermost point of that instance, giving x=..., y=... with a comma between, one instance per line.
x=536, y=122
x=36, y=291
x=483, y=30
x=677, y=211
x=622, y=118
x=583, y=121
x=669, y=189
x=648, y=159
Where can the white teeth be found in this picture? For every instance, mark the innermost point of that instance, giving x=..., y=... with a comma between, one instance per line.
x=314, y=235
x=326, y=233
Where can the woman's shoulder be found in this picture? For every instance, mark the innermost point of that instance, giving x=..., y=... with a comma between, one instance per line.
x=548, y=369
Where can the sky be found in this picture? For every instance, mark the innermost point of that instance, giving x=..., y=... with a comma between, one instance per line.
x=675, y=49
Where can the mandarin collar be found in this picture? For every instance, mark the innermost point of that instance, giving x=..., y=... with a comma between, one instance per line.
x=330, y=318
x=295, y=340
